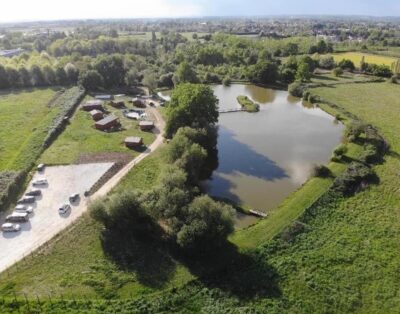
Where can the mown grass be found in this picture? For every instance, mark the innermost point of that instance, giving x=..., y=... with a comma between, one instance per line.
x=80, y=137
x=356, y=57
x=248, y=104
x=75, y=265
x=24, y=118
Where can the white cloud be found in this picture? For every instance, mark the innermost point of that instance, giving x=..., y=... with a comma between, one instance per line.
x=20, y=10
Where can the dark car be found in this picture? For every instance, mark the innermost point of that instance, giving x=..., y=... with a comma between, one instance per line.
x=27, y=200
x=34, y=192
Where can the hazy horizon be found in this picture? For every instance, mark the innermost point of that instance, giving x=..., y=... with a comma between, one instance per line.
x=45, y=10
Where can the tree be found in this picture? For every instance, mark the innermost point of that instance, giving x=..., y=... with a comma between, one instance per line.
x=38, y=78
x=3, y=78
x=303, y=72
x=150, y=79
x=207, y=225
x=191, y=105
x=327, y=62
x=90, y=80
x=187, y=155
x=49, y=75
x=13, y=77
x=264, y=72
x=132, y=77
x=61, y=76
x=72, y=73
x=111, y=68
x=25, y=77
x=185, y=74
x=346, y=64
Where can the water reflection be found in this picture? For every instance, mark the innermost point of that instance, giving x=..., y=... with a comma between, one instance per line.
x=263, y=157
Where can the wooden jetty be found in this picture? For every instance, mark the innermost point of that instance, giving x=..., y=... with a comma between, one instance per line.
x=258, y=213
x=231, y=110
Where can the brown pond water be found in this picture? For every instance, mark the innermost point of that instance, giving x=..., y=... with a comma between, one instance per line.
x=265, y=156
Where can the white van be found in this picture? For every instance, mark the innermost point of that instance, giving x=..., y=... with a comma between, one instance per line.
x=17, y=217
x=9, y=227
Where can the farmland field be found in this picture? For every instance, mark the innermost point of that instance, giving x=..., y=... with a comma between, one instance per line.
x=81, y=138
x=356, y=57
x=24, y=119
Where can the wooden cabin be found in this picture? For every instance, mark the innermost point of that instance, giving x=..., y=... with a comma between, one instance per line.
x=133, y=142
x=107, y=123
x=117, y=104
x=96, y=115
x=93, y=105
x=146, y=125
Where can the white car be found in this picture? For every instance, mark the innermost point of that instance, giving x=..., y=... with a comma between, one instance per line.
x=65, y=208
x=39, y=182
x=23, y=209
x=9, y=227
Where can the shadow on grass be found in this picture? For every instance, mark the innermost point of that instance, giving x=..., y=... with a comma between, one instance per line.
x=245, y=275
x=325, y=78
x=147, y=258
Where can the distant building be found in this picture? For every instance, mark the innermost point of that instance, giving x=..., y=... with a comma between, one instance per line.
x=117, y=104
x=139, y=102
x=11, y=53
x=92, y=105
x=146, y=125
x=104, y=97
x=133, y=142
x=107, y=123
x=96, y=115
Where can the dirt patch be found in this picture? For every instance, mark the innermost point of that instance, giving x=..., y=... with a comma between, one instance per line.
x=120, y=158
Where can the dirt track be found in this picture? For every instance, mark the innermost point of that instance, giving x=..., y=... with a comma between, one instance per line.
x=14, y=247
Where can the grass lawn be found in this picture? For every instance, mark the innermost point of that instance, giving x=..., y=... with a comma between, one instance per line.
x=24, y=119
x=369, y=58
x=80, y=137
x=74, y=263
x=347, y=77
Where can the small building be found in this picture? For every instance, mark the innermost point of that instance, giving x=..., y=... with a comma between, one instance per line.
x=93, y=105
x=117, y=104
x=107, y=123
x=133, y=142
x=104, y=97
x=96, y=115
x=146, y=125
x=139, y=102
x=133, y=115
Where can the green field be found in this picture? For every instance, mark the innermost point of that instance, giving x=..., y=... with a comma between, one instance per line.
x=81, y=138
x=24, y=118
x=356, y=57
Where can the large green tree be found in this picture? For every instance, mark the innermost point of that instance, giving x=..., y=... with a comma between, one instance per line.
x=111, y=68
x=192, y=105
x=90, y=80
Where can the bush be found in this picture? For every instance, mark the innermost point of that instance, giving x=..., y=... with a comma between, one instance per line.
x=356, y=176
x=337, y=72
x=340, y=150
x=327, y=62
x=321, y=171
x=248, y=104
x=354, y=130
x=226, y=81
x=296, y=89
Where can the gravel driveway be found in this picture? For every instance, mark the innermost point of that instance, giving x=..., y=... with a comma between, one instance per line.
x=46, y=222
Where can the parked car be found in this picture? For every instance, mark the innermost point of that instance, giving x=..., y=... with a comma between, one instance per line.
x=17, y=217
x=65, y=208
x=34, y=192
x=73, y=198
x=23, y=209
x=40, y=182
x=26, y=200
x=41, y=167
x=10, y=227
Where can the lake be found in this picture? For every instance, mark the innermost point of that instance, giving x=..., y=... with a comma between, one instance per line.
x=265, y=156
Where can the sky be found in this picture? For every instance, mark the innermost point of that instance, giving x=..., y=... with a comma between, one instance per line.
x=33, y=10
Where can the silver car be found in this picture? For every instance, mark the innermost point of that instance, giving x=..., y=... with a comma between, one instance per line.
x=23, y=209
x=65, y=208
x=9, y=227
x=39, y=182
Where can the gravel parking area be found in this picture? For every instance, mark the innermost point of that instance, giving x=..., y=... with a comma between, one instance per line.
x=46, y=222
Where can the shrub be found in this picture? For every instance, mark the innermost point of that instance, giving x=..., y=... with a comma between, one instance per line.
x=337, y=72
x=354, y=130
x=248, y=104
x=296, y=89
x=321, y=171
x=226, y=81
x=340, y=150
